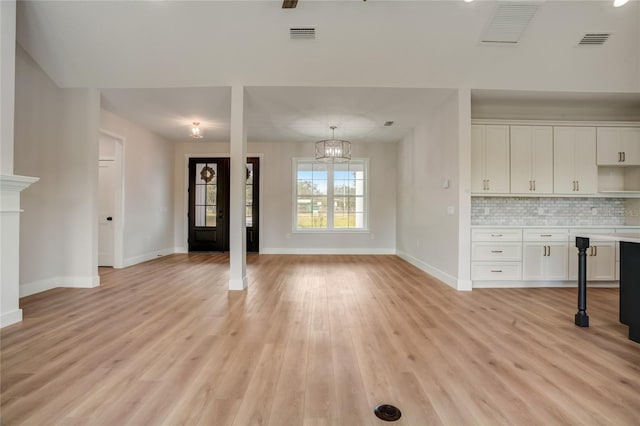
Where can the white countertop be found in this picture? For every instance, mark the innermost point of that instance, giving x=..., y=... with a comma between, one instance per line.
x=629, y=238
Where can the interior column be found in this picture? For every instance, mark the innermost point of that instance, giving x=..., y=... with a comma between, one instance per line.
x=237, y=238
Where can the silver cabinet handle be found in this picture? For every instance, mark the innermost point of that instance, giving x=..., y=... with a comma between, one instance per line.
x=488, y=185
x=534, y=185
x=496, y=235
x=595, y=249
x=496, y=270
x=545, y=251
x=624, y=156
x=530, y=185
x=549, y=250
x=496, y=251
x=546, y=235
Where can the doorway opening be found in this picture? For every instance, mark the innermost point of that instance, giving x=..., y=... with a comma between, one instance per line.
x=110, y=204
x=208, y=219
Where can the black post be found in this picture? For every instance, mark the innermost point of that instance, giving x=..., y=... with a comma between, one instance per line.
x=581, y=318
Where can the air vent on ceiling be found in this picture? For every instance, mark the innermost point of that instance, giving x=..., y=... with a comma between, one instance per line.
x=388, y=123
x=594, y=39
x=302, y=33
x=509, y=22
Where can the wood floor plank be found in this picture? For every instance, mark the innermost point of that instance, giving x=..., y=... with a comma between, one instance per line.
x=315, y=340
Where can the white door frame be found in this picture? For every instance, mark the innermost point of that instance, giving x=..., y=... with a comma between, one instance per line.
x=118, y=214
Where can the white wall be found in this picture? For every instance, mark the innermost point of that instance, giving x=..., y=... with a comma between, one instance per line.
x=7, y=83
x=148, y=190
x=276, y=206
x=56, y=139
x=428, y=235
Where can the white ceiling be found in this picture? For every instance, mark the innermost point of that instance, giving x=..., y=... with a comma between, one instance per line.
x=165, y=64
x=278, y=114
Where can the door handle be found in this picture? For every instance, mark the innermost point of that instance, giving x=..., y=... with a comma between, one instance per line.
x=109, y=218
x=624, y=156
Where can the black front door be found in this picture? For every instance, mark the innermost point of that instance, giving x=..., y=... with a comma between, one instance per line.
x=209, y=204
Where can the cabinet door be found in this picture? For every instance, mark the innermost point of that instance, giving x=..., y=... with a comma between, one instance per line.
x=601, y=262
x=609, y=146
x=478, y=159
x=585, y=160
x=521, y=161
x=533, y=261
x=545, y=261
x=630, y=146
x=574, y=159
x=556, y=263
x=618, y=146
x=531, y=159
x=497, y=159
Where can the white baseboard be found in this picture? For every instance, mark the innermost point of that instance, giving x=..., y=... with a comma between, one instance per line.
x=445, y=277
x=542, y=284
x=39, y=286
x=180, y=250
x=147, y=256
x=373, y=251
x=10, y=318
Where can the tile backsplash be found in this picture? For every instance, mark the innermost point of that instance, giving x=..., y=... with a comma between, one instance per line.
x=516, y=211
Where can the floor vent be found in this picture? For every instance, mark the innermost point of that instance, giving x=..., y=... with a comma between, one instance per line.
x=509, y=22
x=594, y=39
x=305, y=33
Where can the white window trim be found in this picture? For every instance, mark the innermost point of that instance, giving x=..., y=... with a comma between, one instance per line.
x=294, y=193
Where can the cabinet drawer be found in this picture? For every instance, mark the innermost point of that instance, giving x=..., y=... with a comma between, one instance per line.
x=496, y=234
x=573, y=233
x=492, y=251
x=546, y=235
x=481, y=271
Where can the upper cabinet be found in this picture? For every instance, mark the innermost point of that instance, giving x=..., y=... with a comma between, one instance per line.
x=618, y=146
x=490, y=159
x=531, y=159
x=574, y=160
x=539, y=159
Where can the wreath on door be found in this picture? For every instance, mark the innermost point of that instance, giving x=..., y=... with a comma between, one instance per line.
x=207, y=174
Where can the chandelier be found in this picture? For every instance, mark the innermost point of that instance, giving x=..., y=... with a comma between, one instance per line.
x=333, y=150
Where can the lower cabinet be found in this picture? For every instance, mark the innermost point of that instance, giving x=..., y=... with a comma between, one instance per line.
x=601, y=261
x=545, y=261
x=540, y=254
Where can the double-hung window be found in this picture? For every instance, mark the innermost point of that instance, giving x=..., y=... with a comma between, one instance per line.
x=330, y=197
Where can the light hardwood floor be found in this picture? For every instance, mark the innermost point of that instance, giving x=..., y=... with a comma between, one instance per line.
x=315, y=340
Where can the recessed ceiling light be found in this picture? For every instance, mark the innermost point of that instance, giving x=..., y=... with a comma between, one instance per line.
x=468, y=1
x=618, y=3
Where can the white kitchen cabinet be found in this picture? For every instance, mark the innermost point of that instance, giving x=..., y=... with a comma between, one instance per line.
x=490, y=159
x=496, y=254
x=601, y=256
x=618, y=146
x=531, y=159
x=601, y=261
x=574, y=160
x=545, y=261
